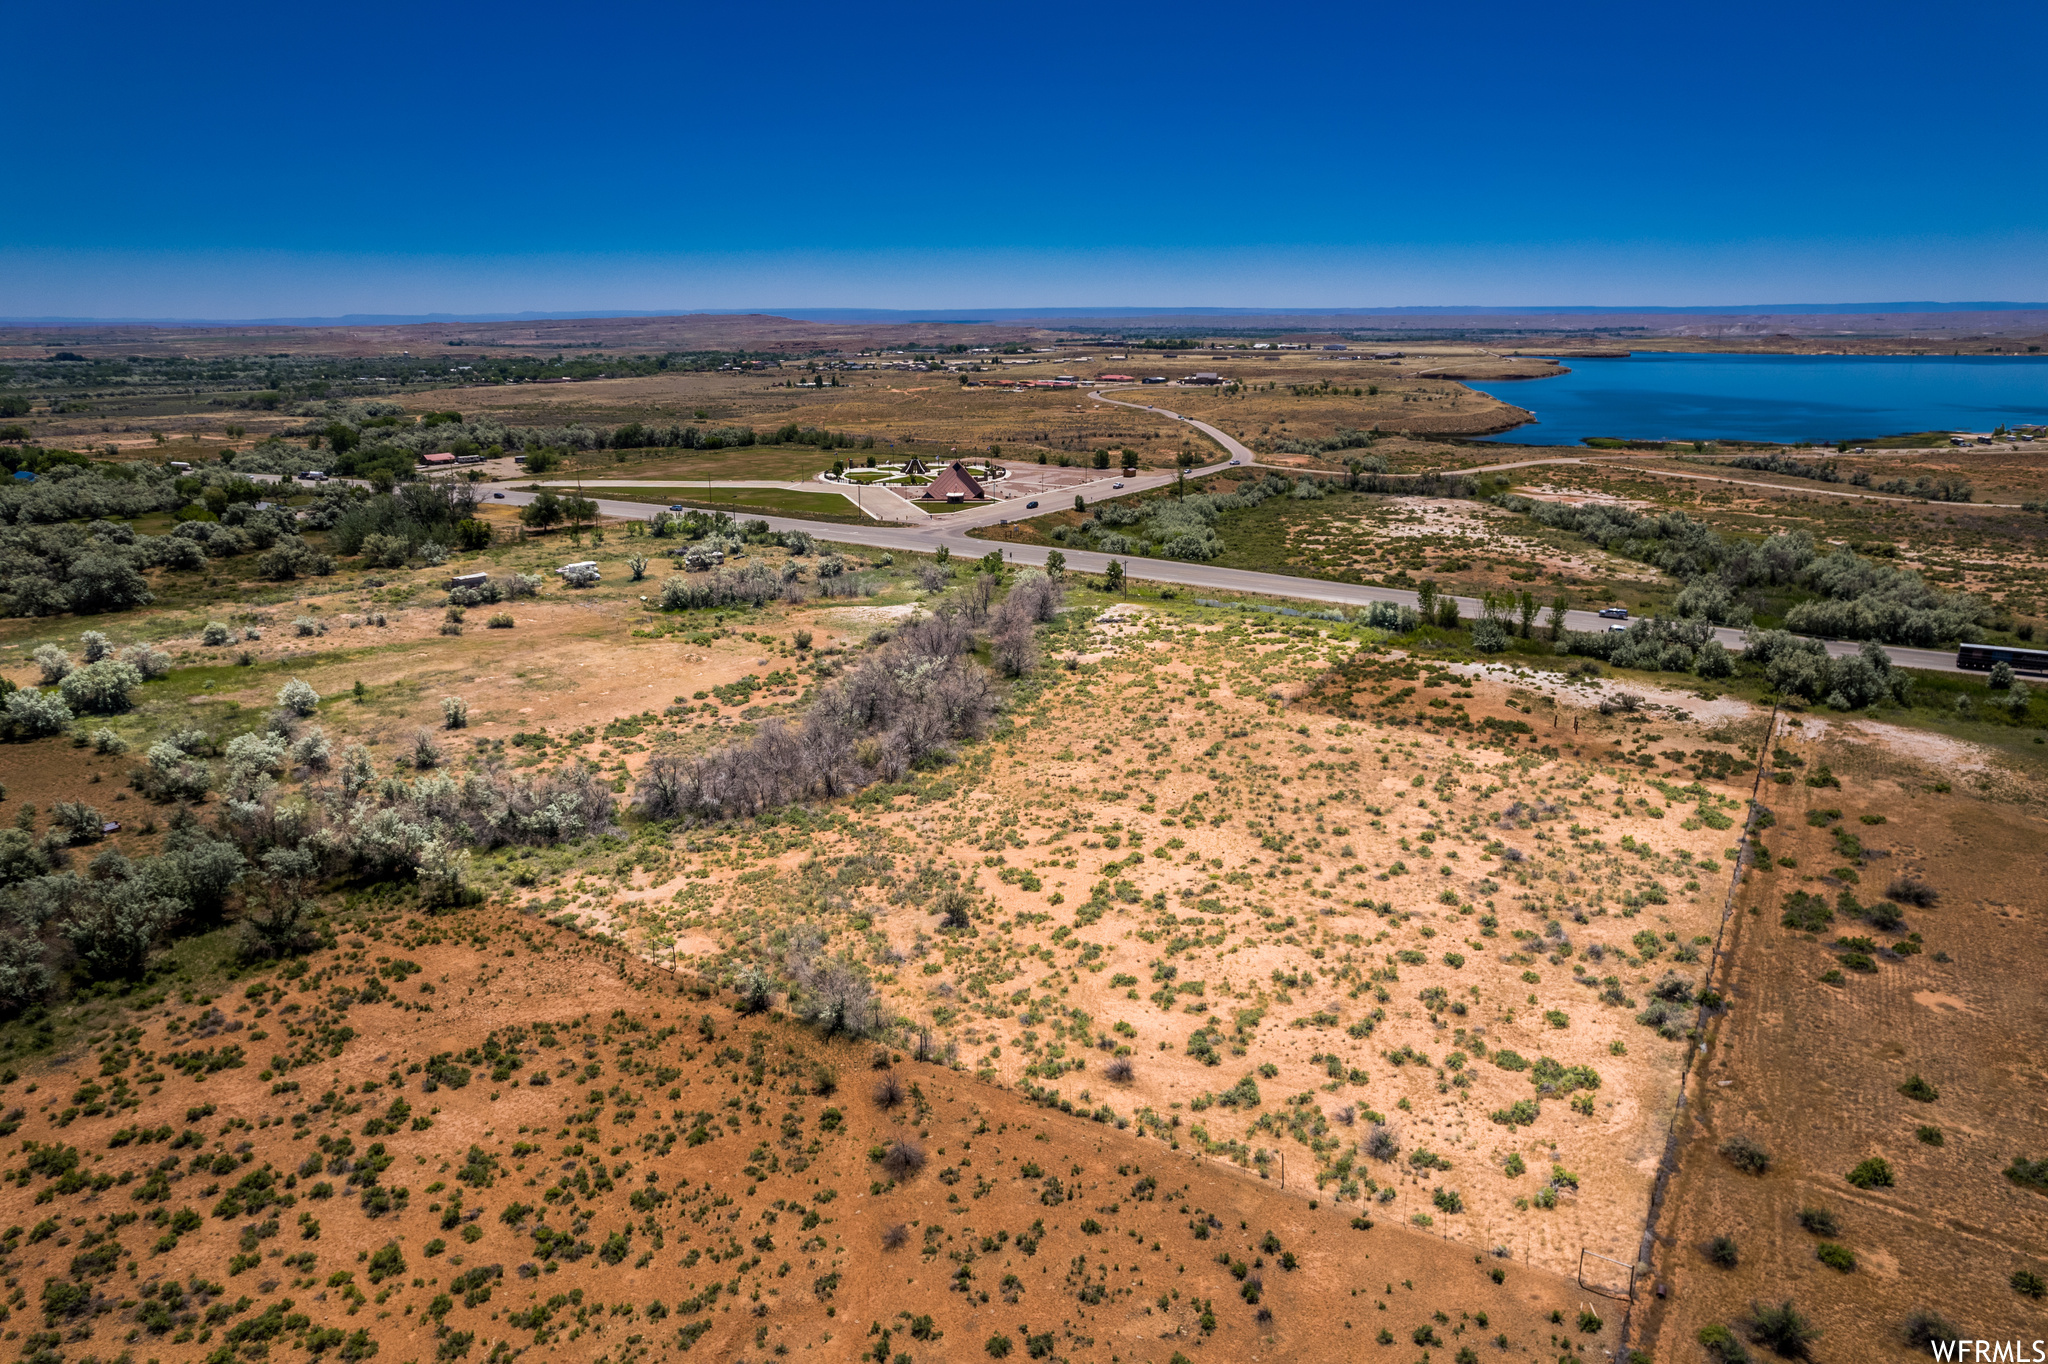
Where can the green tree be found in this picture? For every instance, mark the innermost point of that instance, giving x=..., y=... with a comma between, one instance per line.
x=1080, y=503
x=1425, y=599
x=1113, y=578
x=544, y=511
x=542, y=461
x=1055, y=565
x=1527, y=611
x=1102, y=459
x=579, y=512
x=1559, y=604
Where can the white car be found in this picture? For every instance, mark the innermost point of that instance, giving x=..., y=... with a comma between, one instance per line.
x=1116, y=485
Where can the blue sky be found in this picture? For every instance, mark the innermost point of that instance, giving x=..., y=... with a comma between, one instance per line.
x=238, y=161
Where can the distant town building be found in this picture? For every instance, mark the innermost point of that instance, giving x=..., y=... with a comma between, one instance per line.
x=439, y=459
x=1207, y=377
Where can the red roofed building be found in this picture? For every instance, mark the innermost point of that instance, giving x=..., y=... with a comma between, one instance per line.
x=954, y=483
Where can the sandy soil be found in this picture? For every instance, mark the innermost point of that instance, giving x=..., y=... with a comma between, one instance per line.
x=712, y=1187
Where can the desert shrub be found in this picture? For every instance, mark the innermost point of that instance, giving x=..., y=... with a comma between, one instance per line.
x=1835, y=1257
x=33, y=714
x=2028, y=1174
x=1381, y=1143
x=1918, y=1089
x=1782, y=1328
x=147, y=660
x=1118, y=1070
x=1820, y=1222
x=2028, y=1284
x=894, y=1236
x=1923, y=1328
x=53, y=662
x=106, y=741
x=455, y=712
x=1489, y=636
x=1911, y=890
x=1746, y=1155
x=1930, y=1136
x=100, y=688
x=298, y=698
x=500, y=621
x=1723, y=1344
x=903, y=1158
x=888, y=1092
x=1721, y=1250
x=426, y=754
x=1875, y=1172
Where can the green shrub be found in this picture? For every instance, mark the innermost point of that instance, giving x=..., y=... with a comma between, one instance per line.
x=1722, y=1251
x=1784, y=1328
x=1722, y=1344
x=1930, y=1135
x=1835, y=1257
x=1746, y=1155
x=1873, y=1173
x=1918, y=1089
x=2028, y=1284
x=1820, y=1222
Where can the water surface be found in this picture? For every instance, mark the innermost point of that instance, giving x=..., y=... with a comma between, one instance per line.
x=1784, y=398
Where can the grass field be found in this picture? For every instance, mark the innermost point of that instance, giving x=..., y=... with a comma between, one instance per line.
x=778, y=501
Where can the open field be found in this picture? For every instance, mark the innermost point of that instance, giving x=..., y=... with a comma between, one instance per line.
x=1211, y=917
x=1819, y=1043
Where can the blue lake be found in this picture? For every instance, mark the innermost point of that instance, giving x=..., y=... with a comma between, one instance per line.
x=1783, y=398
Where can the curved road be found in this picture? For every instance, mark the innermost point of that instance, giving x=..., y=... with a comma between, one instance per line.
x=950, y=531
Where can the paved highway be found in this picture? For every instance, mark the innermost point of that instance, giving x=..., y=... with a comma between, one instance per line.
x=927, y=540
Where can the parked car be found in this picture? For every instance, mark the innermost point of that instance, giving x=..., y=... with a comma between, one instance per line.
x=1030, y=506
x=1614, y=613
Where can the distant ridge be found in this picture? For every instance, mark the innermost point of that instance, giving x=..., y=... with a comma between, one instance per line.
x=971, y=315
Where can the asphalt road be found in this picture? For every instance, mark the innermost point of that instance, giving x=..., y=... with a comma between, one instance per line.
x=950, y=531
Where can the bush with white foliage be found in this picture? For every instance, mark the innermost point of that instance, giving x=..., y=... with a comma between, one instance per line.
x=455, y=712
x=215, y=635
x=54, y=662
x=298, y=697
x=97, y=645
x=34, y=714
x=100, y=688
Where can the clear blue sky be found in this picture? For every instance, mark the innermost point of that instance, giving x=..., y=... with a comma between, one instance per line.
x=215, y=160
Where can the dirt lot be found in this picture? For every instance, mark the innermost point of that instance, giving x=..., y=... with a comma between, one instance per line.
x=1812, y=1071
x=472, y=1135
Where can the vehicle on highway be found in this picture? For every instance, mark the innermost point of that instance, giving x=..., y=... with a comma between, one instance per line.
x=1233, y=464
x=1979, y=658
x=1028, y=506
x=1614, y=613
x=675, y=506
x=1116, y=485
x=1617, y=629
x=499, y=496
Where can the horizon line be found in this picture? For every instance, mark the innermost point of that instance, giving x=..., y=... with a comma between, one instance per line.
x=971, y=316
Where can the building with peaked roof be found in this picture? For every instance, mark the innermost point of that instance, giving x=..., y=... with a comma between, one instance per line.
x=953, y=482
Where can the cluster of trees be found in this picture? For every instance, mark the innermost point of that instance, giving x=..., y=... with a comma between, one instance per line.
x=904, y=703
x=1932, y=489
x=1725, y=577
x=273, y=845
x=1683, y=646
x=1345, y=439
